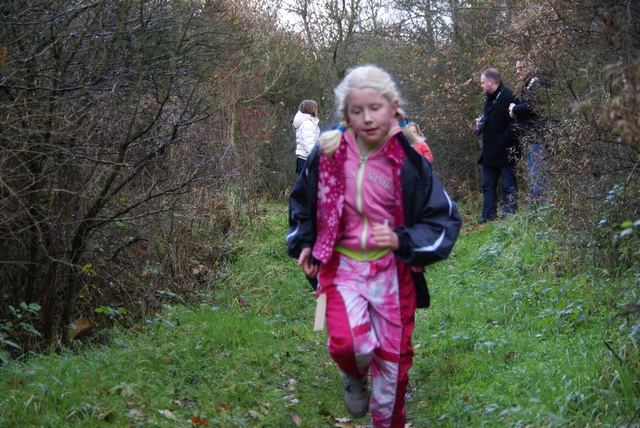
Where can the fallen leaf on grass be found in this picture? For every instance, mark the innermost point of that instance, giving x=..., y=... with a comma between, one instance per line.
x=346, y=423
x=296, y=419
x=125, y=390
x=168, y=414
x=222, y=407
x=290, y=385
x=291, y=400
x=17, y=381
x=197, y=421
x=136, y=414
x=185, y=403
x=350, y=425
x=256, y=414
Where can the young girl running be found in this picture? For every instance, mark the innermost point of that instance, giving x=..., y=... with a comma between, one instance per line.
x=365, y=216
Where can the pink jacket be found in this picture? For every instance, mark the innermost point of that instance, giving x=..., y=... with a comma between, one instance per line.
x=369, y=196
x=353, y=194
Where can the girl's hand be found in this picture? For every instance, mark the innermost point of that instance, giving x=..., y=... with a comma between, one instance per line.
x=308, y=265
x=385, y=236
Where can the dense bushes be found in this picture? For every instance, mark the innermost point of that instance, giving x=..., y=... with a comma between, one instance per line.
x=110, y=142
x=137, y=136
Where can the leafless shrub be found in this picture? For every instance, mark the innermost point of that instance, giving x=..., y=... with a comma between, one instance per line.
x=588, y=52
x=106, y=129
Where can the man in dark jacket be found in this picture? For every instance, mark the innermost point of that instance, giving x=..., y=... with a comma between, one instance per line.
x=500, y=152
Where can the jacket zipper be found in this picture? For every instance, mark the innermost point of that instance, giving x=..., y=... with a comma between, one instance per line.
x=365, y=220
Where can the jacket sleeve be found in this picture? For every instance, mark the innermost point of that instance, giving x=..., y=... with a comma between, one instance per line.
x=430, y=235
x=525, y=102
x=508, y=139
x=302, y=207
x=523, y=107
x=423, y=148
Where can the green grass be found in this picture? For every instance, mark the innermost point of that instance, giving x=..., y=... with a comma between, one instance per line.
x=513, y=339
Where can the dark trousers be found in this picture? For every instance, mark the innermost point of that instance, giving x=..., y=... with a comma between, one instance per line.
x=536, y=157
x=490, y=177
x=299, y=164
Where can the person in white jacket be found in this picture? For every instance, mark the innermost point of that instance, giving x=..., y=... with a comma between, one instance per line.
x=305, y=123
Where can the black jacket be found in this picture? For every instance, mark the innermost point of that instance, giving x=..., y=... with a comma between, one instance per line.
x=432, y=221
x=530, y=122
x=499, y=140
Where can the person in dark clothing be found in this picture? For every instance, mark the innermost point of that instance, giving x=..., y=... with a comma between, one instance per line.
x=530, y=126
x=500, y=152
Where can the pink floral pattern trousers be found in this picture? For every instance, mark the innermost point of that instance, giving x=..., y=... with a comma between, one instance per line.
x=370, y=319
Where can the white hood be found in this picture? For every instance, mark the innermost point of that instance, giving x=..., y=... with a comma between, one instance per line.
x=300, y=118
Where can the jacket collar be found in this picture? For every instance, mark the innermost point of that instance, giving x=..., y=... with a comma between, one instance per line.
x=350, y=136
x=496, y=93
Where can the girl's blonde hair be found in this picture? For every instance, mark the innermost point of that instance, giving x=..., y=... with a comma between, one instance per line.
x=366, y=76
x=415, y=125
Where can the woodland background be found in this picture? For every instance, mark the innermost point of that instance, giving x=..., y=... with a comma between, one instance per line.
x=137, y=137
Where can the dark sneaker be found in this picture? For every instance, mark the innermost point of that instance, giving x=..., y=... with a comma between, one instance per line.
x=356, y=395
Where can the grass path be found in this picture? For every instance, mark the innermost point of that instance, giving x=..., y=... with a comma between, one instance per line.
x=514, y=337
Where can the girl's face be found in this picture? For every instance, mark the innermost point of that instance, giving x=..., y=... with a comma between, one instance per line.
x=370, y=115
